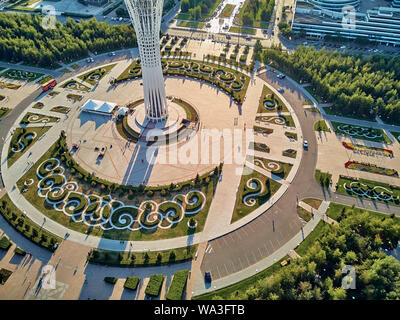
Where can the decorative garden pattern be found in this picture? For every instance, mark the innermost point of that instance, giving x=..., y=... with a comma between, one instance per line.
x=374, y=192
x=369, y=151
x=371, y=168
x=254, y=187
x=360, y=132
x=21, y=75
x=108, y=213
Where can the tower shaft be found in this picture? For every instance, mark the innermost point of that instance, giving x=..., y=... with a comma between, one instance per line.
x=146, y=19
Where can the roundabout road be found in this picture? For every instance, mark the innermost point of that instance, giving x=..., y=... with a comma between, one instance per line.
x=268, y=232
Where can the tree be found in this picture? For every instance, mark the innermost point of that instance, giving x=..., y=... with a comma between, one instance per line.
x=185, y=6
x=248, y=19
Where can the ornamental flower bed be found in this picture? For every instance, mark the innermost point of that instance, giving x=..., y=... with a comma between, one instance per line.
x=371, y=168
x=367, y=150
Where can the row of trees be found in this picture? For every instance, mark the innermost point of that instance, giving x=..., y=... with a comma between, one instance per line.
x=356, y=85
x=257, y=10
x=23, y=38
x=197, y=9
x=357, y=240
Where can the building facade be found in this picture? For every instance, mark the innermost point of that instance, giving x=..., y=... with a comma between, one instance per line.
x=146, y=19
x=365, y=21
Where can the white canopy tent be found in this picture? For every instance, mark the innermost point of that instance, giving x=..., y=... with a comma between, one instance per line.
x=99, y=107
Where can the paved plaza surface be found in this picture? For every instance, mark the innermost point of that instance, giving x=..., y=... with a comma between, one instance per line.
x=230, y=251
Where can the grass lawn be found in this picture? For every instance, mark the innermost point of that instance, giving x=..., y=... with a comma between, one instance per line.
x=191, y=24
x=97, y=74
x=360, y=132
x=396, y=135
x=288, y=120
x=60, y=109
x=336, y=210
x=367, y=186
x=304, y=214
x=21, y=136
x=73, y=85
x=323, y=178
x=179, y=229
x=45, y=79
x=281, y=171
x=4, y=112
x=243, y=30
x=227, y=11
x=31, y=118
x=321, y=126
x=26, y=226
x=330, y=111
x=267, y=94
x=315, y=203
x=211, y=9
x=241, y=209
x=75, y=66
x=21, y=75
x=291, y=135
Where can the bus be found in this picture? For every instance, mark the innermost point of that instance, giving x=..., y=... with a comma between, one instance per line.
x=49, y=85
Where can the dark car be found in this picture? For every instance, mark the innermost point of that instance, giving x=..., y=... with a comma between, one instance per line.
x=207, y=277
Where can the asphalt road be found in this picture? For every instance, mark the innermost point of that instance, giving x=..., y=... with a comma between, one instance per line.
x=268, y=232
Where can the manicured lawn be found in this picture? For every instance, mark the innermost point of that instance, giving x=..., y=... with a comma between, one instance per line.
x=179, y=229
x=304, y=214
x=321, y=126
x=22, y=75
x=291, y=135
x=27, y=138
x=73, y=85
x=315, y=203
x=227, y=11
x=281, y=120
x=178, y=284
x=4, y=112
x=45, y=79
x=241, y=209
x=243, y=30
x=278, y=168
x=97, y=74
x=365, y=189
x=330, y=111
x=268, y=95
x=336, y=210
x=25, y=226
x=323, y=178
x=60, y=109
x=360, y=132
x=191, y=24
x=31, y=118
x=154, y=286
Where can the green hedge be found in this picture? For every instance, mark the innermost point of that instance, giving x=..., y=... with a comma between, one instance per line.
x=131, y=283
x=154, y=286
x=177, y=286
x=5, y=243
x=111, y=280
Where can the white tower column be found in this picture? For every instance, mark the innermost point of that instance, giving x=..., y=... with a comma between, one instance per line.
x=146, y=19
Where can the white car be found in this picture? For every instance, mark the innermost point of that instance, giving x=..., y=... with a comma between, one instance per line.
x=305, y=144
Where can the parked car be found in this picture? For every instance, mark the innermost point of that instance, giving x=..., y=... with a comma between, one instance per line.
x=207, y=277
x=305, y=144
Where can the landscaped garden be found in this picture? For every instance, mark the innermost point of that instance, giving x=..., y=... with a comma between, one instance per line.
x=96, y=75
x=16, y=74
x=269, y=102
x=66, y=193
x=368, y=189
x=34, y=118
x=371, y=168
x=8, y=85
x=60, y=109
x=291, y=153
x=254, y=190
x=260, y=147
x=22, y=140
x=227, y=11
x=321, y=125
x=282, y=120
x=74, y=85
x=231, y=81
x=243, y=30
x=323, y=178
x=359, y=132
x=4, y=111
x=369, y=151
x=278, y=168
x=262, y=130
x=291, y=135
x=191, y=24
x=255, y=13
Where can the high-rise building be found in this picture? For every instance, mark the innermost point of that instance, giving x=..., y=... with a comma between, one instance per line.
x=146, y=19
